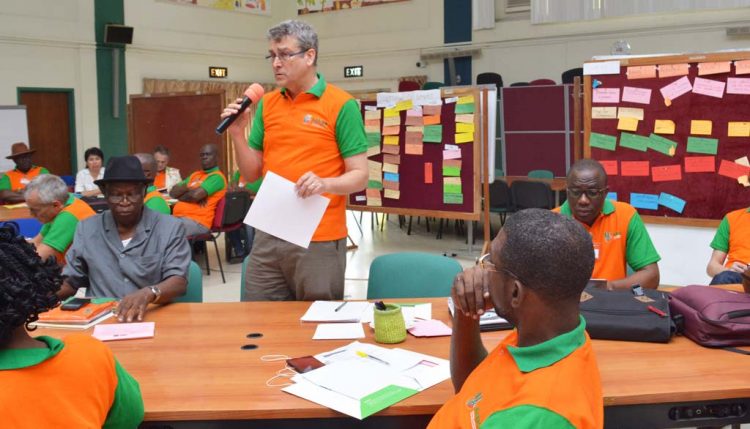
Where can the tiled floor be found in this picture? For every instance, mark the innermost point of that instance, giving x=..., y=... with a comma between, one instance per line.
x=371, y=242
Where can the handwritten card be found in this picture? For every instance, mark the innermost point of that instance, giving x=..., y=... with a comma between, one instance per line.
x=742, y=67
x=602, y=141
x=390, y=140
x=392, y=149
x=641, y=72
x=666, y=173
x=662, y=145
x=743, y=161
x=702, y=145
x=712, y=88
x=464, y=128
x=714, y=68
x=394, y=195
x=610, y=167
x=732, y=169
x=467, y=118
x=387, y=184
x=612, y=196
x=670, y=70
x=606, y=95
x=372, y=115
x=630, y=112
x=602, y=67
x=392, y=121
x=414, y=120
x=430, y=328
x=635, y=168
x=404, y=105
x=738, y=129
x=627, y=124
x=700, y=164
x=451, y=154
x=433, y=134
x=431, y=110
x=644, y=201
x=123, y=331
x=671, y=202
x=634, y=141
x=464, y=137
x=677, y=88
x=636, y=95
x=390, y=113
x=391, y=131
x=738, y=85
x=604, y=112
x=431, y=120
x=390, y=168
x=428, y=173
x=392, y=159
x=391, y=177
x=413, y=137
x=414, y=148
x=664, y=126
x=466, y=99
x=464, y=108
x=700, y=127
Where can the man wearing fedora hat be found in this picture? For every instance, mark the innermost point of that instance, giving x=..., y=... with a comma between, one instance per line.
x=128, y=252
x=14, y=181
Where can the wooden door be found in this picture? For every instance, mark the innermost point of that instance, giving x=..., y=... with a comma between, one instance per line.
x=48, y=117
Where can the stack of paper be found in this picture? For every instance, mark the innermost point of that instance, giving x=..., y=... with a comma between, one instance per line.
x=124, y=331
x=85, y=317
x=336, y=311
x=413, y=312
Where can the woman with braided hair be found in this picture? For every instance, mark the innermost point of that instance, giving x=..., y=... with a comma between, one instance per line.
x=74, y=383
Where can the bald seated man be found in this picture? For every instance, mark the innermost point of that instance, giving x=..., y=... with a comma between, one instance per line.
x=619, y=235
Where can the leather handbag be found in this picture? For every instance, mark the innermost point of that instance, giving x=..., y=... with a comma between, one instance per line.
x=625, y=316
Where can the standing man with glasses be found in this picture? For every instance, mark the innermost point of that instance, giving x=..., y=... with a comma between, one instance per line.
x=311, y=133
x=127, y=252
x=619, y=235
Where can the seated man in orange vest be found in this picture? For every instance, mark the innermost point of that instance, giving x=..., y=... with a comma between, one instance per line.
x=166, y=176
x=50, y=203
x=13, y=182
x=544, y=374
x=731, y=255
x=154, y=199
x=199, y=194
x=619, y=235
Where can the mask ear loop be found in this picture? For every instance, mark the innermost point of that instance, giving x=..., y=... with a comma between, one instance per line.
x=285, y=372
x=274, y=358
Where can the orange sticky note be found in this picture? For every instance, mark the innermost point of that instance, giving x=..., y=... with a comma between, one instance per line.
x=391, y=159
x=391, y=131
x=732, y=169
x=714, y=68
x=742, y=67
x=627, y=124
x=669, y=70
x=392, y=149
x=428, y=172
x=700, y=164
x=372, y=122
x=413, y=148
x=665, y=173
x=413, y=138
x=641, y=72
x=431, y=109
x=414, y=120
x=634, y=168
x=432, y=120
x=700, y=127
x=610, y=167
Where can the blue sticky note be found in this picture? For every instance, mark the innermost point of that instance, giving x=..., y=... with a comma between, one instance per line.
x=391, y=177
x=644, y=201
x=671, y=202
x=612, y=196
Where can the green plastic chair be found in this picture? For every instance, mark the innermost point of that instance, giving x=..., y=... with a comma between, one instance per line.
x=242, y=276
x=541, y=174
x=194, y=286
x=411, y=275
x=432, y=85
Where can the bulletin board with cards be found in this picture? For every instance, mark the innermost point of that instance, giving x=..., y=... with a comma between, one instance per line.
x=673, y=133
x=424, y=153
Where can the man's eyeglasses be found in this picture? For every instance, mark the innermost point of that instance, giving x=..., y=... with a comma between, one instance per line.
x=117, y=199
x=284, y=56
x=590, y=193
x=485, y=264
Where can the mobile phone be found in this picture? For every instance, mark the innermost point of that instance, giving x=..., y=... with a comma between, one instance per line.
x=304, y=364
x=75, y=304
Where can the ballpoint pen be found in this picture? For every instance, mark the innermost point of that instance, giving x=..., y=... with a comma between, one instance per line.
x=363, y=354
x=340, y=306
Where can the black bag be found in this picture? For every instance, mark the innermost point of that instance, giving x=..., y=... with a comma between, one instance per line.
x=620, y=315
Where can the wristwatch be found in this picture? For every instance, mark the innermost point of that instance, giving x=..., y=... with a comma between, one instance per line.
x=157, y=293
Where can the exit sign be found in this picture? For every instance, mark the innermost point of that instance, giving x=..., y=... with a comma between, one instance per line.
x=354, y=71
x=218, y=72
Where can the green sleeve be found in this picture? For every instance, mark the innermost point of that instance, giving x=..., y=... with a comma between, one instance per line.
x=59, y=235
x=184, y=182
x=526, y=416
x=257, y=131
x=253, y=187
x=213, y=184
x=43, y=171
x=350, y=130
x=127, y=408
x=640, y=250
x=5, y=183
x=158, y=205
x=721, y=239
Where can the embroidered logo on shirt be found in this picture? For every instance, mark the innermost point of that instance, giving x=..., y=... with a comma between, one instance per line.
x=474, y=410
x=311, y=120
x=609, y=236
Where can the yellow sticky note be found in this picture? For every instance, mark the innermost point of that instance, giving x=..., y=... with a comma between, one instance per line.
x=743, y=180
x=664, y=126
x=403, y=105
x=390, y=168
x=372, y=114
x=414, y=129
x=392, y=140
x=738, y=129
x=700, y=127
x=464, y=128
x=627, y=124
x=630, y=112
x=390, y=121
x=467, y=99
x=392, y=193
x=464, y=137
x=390, y=112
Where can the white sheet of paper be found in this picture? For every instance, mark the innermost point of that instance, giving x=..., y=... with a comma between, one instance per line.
x=277, y=210
x=339, y=331
x=604, y=67
x=325, y=311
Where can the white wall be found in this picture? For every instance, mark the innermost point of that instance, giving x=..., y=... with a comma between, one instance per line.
x=51, y=45
x=684, y=253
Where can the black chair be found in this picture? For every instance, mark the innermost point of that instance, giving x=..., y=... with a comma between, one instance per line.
x=490, y=78
x=519, y=84
x=501, y=201
x=568, y=75
x=528, y=194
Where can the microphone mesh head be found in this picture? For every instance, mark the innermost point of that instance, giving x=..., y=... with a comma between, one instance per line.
x=254, y=92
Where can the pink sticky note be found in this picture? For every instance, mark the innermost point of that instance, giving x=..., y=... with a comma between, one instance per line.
x=610, y=167
x=606, y=95
x=123, y=331
x=636, y=95
x=676, y=88
x=738, y=85
x=665, y=173
x=451, y=154
x=430, y=328
x=742, y=67
x=712, y=88
x=669, y=70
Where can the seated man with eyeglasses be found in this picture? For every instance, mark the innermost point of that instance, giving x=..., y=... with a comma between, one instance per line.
x=619, y=235
x=128, y=252
x=544, y=374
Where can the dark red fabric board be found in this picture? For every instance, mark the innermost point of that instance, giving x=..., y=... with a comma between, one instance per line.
x=542, y=151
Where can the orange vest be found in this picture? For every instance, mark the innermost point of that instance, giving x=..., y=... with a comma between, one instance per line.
x=199, y=212
x=80, y=210
x=739, y=230
x=153, y=194
x=160, y=181
x=18, y=180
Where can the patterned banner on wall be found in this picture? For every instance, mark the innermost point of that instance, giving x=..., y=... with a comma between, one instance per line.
x=260, y=7
x=315, y=6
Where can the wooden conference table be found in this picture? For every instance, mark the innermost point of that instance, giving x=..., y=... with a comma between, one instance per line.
x=194, y=373
x=7, y=214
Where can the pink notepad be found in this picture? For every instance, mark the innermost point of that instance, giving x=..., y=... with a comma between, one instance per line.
x=123, y=331
x=430, y=328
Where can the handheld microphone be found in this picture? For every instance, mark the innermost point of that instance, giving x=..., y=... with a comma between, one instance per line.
x=253, y=94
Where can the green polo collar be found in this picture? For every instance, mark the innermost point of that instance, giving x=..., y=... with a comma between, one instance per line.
x=24, y=358
x=316, y=90
x=211, y=170
x=70, y=200
x=551, y=351
x=152, y=188
x=607, y=209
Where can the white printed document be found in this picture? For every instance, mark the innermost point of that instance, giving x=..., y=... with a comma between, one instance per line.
x=336, y=311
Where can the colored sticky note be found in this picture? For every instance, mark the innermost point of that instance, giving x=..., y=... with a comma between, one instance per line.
x=391, y=159
x=451, y=189
x=743, y=161
x=374, y=202
x=634, y=141
x=663, y=126
x=428, y=173
x=700, y=164
x=641, y=72
x=387, y=184
x=627, y=124
x=677, y=88
x=451, y=154
x=612, y=196
x=452, y=180
x=606, y=95
x=464, y=137
x=374, y=184
x=604, y=112
x=702, y=145
x=392, y=177
x=452, y=163
x=738, y=129
x=433, y=134
x=671, y=202
x=391, y=131
x=414, y=120
x=738, y=85
x=467, y=118
x=451, y=171
x=662, y=145
x=415, y=129
x=636, y=95
x=373, y=193
x=431, y=120
x=464, y=108
x=712, y=88
x=373, y=139
x=390, y=112
x=373, y=150
x=742, y=67
x=464, y=128
x=634, y=168
x=392, y=121
x=413, y=137
x=415, y=111
x=372, y=123
x=714, y=68
x=392, y=149
x=700, y=127
x=644, y=201
x=453, y=199
x=610, y=167
x=390, y=140
x=744, y=181
x=432, y=109
x=666, y=173
x=414, y=148
x=603, y=141
x=390, y=168
x=372, y=115
x=372, y=128
x=630, y=112
x=403, y=105
x=670, y=70
x=466, y=99
x=732, y=169
x=392, y=194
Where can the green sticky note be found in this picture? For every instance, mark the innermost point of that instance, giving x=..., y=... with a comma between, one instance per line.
x=453, y=198
x=603, y=141
x=373, y=139
x=464, y=108
x=451, y=189
x=702, y=145
x=661, y=144
x=634, y=141
x=433, y=134
x=374, y=184
x=383, y=399
x=451, y=171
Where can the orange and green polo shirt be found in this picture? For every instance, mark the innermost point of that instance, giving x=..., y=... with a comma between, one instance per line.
x=155, y=201
x=215, y=184
x=554, y=384
x=737, y=244
x=14, y=180
x=58, y=234
x=620, y=238
x=75, y=384
x=314, y=132
x=160, y=181
x=242, y=183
